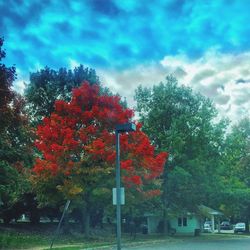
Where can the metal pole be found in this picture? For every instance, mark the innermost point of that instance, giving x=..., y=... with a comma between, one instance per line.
x=59, y=225
x=118, y=191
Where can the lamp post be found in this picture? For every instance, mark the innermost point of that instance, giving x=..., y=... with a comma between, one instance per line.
x=122, y=128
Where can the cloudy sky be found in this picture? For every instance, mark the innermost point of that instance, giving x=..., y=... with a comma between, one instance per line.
x=204, y=43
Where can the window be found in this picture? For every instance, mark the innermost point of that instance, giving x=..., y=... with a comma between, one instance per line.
x=182, y=222
x=179, y=222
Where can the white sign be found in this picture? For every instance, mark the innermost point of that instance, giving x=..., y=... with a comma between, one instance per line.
x=122, y=196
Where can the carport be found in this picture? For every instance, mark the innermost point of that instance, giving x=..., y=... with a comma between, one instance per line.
x=211, y=213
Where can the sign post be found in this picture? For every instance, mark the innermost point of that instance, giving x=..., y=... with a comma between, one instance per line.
x=122, y=128
x=122, y=196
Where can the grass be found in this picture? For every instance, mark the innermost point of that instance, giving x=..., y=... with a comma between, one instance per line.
x=20, y=240
x=12, y=240
x=26, y=237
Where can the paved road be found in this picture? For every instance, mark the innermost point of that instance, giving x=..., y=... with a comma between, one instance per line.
x=225, y=244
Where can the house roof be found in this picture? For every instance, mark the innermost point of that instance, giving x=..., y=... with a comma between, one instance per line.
x=207, y=211
x=200, y=211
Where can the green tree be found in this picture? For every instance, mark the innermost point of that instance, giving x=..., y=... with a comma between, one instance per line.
x=236, y=172
x=7, y=76
x=181, y=122
x=48, y=85
x=15, y=146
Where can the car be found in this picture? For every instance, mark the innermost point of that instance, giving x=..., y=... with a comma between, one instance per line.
x=240, y=227
x=207, y=228
x=225, y=225
x=208, y=222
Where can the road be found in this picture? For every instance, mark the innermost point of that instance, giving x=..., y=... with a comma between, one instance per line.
x=212, y=244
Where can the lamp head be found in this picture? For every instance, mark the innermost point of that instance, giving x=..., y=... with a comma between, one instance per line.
x=126, y=127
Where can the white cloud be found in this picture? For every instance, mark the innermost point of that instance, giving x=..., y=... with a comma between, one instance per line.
x=73, y=63
x=215, y=75
x=225, y=78
x=19, y=86
x=125, y=82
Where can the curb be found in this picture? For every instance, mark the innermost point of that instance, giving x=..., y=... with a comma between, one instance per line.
x=139, y=243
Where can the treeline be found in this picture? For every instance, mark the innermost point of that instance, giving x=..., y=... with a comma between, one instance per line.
x=209, y=157
x=208, y=162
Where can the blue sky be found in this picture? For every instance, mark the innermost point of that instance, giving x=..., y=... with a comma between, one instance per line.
x=130, y=42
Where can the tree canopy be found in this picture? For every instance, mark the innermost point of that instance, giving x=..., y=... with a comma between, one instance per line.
x=77, y=143
x=182, y=122
x=7, y=76
x=48, y=85
x=236, y=181
x=15, y=138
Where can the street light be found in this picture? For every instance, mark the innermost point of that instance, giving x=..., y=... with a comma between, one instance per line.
x=122, y=128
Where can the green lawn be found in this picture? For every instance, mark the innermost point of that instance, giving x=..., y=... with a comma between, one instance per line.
x=32, y=238
x=28, y=240
x=11, y=240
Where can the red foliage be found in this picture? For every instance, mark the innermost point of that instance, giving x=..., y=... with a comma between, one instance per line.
x=82, y=131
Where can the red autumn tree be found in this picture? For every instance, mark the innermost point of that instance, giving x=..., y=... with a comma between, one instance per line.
x=77, y=145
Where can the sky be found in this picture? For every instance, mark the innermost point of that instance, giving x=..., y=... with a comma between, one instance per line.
x=204, y=43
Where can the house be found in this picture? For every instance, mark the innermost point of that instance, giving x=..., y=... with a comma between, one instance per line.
x=185, y=222
x=153, y=222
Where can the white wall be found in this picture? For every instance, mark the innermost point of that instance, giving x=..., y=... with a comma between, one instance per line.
x=153, y=222
x=192, y=224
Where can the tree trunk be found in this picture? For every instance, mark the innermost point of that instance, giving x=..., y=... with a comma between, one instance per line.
x=165, y=222
x=86, y=215
x=165, y=200
x=86, y=223
x=247, y=225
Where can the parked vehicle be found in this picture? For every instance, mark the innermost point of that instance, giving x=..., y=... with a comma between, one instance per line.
x=208, y=222
x=225, y=225
x=207, y=228
x=240, y=227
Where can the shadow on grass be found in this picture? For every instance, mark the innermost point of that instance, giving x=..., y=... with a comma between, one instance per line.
x=39, y=237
